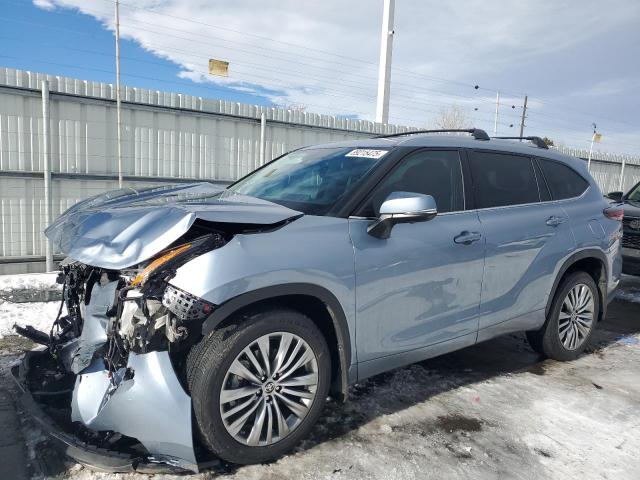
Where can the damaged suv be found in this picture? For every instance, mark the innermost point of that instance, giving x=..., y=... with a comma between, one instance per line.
x=204, y=321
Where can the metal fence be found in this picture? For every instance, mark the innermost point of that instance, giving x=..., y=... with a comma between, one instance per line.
x=167, y=137
x=608, y=168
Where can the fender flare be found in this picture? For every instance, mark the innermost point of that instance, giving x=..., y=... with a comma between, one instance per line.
x=338, y=317
x=575, y=257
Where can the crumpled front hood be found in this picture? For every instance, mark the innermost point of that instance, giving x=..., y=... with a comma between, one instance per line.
x=121, y=228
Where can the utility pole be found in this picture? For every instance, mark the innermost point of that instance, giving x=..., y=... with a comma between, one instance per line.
x=495, y=121
x=384, y=68
x=118, y=98
x=524, y=115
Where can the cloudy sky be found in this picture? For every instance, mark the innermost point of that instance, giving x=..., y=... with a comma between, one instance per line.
x=578, y=61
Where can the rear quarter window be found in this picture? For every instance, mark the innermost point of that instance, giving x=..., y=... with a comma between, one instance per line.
x=563, y=181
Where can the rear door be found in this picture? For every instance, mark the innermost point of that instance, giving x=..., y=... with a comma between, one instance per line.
x=526, y=234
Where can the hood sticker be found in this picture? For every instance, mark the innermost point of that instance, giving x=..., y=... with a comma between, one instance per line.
x=367, y=153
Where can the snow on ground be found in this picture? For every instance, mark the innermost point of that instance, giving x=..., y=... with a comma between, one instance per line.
x=17, y=290
x=629, y=288
x=40, y=315
x=27, y=281
x=494, y=411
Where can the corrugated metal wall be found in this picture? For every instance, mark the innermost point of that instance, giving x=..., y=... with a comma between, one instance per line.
x=167, y=137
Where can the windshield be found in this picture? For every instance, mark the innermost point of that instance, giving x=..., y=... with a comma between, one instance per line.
x=634, y=195
x=310, y=180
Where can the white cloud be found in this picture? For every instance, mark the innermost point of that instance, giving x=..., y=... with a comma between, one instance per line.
x=610, y=86
x=44, y=4
x=279, y=45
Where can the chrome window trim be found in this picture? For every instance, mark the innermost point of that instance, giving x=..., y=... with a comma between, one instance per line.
x=537, y=203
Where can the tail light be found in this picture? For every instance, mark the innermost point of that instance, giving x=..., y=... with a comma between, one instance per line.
x=615, y=212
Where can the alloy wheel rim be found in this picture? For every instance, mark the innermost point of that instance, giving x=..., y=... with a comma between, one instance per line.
x=269, y=389
x=576, y=316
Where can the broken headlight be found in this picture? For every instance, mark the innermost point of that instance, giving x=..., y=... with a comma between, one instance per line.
x=168, y=261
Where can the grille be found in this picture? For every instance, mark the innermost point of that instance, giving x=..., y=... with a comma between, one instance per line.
x=629, y=240
x=630, y=236
x=626, y=221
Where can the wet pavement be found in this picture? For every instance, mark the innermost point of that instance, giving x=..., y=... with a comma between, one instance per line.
x=495, y=410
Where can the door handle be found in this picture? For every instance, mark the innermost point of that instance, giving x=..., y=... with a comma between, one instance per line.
x=467, y=238
x=554, y=221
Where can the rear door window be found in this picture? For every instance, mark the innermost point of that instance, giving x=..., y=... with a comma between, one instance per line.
x=501, y=179
x=563, y=181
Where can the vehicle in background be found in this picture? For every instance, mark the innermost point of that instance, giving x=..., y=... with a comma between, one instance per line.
x=201, y=319
x=631, y=228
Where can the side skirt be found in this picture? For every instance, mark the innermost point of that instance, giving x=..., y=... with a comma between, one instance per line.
x=389, y=362
x=529, y=321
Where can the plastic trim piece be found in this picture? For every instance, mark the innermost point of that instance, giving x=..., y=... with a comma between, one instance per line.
x=341, y=327
x=581, y=255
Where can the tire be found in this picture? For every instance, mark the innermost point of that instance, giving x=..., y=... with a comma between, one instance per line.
x=212, y=384
x=558, y=338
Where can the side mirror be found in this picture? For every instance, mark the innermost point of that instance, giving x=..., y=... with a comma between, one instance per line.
x=615, y=196
x=402, y=207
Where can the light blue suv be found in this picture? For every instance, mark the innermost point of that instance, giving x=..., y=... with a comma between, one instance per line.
x=238, y=310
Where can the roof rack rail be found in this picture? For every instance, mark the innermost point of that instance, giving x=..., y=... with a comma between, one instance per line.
x=477, y=133
x=537, y=141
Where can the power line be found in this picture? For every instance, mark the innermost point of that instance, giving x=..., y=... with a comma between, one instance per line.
x=289, y=44
x=337, y=93
x=296, y=61
x=257, y=82
x=261, y=37
x=532, y=108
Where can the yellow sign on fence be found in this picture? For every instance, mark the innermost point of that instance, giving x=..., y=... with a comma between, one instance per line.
x=219, y=68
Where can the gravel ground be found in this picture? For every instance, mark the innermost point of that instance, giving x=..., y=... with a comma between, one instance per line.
x=495, y=410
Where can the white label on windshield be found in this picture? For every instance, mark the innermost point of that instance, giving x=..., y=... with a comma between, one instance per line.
x=366, y=153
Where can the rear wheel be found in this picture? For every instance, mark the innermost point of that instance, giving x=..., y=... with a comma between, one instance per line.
x=259, y=386
x=571, y=319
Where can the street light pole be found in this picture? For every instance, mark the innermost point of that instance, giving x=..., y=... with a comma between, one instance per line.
x=118, y=97
x=384, y=69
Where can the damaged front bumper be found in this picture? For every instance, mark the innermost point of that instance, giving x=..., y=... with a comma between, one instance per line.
x=106, y=386
x=115, y=455
x=142, y=424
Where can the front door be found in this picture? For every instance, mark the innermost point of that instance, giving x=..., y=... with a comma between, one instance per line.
x=420, y=287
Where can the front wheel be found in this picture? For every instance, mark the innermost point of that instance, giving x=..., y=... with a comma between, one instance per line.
x=258, y=386
x=571, y=319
